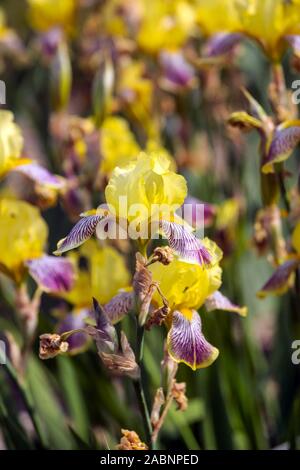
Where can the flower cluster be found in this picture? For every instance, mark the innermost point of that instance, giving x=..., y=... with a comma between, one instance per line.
x=127, y=201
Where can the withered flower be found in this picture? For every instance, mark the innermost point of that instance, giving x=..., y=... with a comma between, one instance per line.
x=178, y=393
x=159, y=401
x=143, y=287
x=51, y=345
x=131, y=441
x=163, y=254
x=157, y=317
x=122, y=362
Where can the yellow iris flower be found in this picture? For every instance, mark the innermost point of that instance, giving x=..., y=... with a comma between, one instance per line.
x=105, y=275
x=118, y=144
x=11, y=143
x=268, y=21
x=185, y=285
x=45, y=14
x=215, y=16
x=136, y=92
x=23, y=234
x=148, y=182
x=165, y=24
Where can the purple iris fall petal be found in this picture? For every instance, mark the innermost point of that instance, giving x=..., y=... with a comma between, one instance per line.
x=186, y=342
x=81, y=232
x=284, y=142
x=185, y=243
x=40, y=175
x=222, y=43
x=176, y=69
x=278, y=282
x=218, y=301
x=52, y=274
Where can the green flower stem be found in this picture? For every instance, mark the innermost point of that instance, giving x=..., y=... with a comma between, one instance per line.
x=139, y=387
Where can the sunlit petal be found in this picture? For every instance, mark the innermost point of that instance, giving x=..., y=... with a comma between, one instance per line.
x=279, y=282
x=52, y=274
x=81, y=232
x=218, y=301
x=185, y=243
x=186, y=342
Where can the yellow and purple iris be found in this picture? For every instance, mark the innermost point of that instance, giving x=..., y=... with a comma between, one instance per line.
x=23, y=236
x=152, y=193
x=186, y=287
x=273, y=24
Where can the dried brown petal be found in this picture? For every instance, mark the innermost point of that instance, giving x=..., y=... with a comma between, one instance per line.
x=51, y=345
x=142, y=278
x=159, y=401
x=131, y=441
x=157, y=317
x=123, y=363
x=169, y=369
x=163, y=255
x=178, y=393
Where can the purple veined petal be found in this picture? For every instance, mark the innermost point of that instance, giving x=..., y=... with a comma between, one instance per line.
x=185, y=243
x=294, y=41
x=186, y=342
x=284, y=142
x=279, y=281
x=73, y=321
x=119, y=306
x=40, y=175
x=82, y=231
x=218, y=301
x=222, y=43
x=176, y=69
x=52, y=274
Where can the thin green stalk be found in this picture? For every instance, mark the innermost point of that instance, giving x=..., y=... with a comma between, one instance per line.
x=139, y=387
